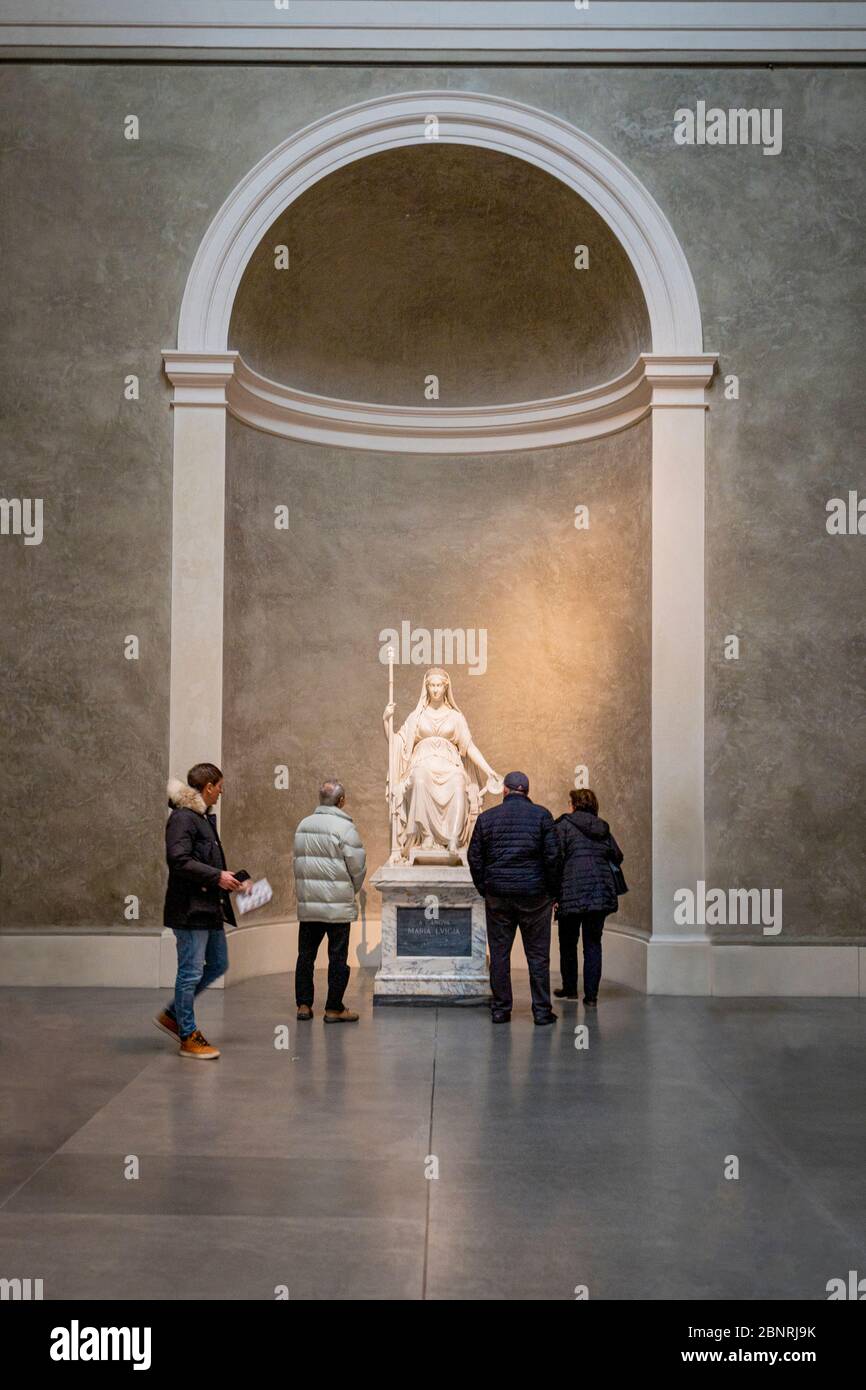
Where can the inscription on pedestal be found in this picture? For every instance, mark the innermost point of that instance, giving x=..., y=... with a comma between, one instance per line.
x=449, y=934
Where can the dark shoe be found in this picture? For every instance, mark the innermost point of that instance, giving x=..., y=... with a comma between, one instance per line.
x=341, y=1016
x=547, y=1018
x=565, y=994
x=500, y=1016
x=305, y=1011
x=590, y=1003
x=168, y=1023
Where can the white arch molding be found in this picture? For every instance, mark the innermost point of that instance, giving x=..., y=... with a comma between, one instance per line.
x=463, y=119
x=669, y=383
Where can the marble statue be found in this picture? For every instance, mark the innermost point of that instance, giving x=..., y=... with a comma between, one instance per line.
x=437, y=776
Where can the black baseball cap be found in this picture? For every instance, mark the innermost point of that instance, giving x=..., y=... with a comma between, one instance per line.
x=517, y=782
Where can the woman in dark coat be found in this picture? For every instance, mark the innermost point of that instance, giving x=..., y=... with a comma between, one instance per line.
x=588, y=892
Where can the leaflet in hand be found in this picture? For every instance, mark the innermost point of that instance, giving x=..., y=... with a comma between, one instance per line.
x=260, y=893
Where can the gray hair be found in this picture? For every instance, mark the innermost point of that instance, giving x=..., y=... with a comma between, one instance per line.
x=331, y=792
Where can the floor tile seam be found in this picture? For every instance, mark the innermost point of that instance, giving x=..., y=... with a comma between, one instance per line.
x=71, y=1135
x=430, y=1151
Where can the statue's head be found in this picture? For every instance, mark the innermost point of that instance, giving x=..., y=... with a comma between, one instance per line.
x=436, y=687
x=437, y=683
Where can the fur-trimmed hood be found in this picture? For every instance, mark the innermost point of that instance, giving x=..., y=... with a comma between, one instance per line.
x=184, y=797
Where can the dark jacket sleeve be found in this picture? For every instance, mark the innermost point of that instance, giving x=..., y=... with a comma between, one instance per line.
x=565, y=834
x=475, y=857
x=551, y=849
x=179, y=843
x=616, y=853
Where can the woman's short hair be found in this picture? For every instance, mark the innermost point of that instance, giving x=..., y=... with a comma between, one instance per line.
x=582, y=799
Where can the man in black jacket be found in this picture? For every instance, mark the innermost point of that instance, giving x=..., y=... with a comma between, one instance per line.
x=197, y=902
x=515, y=858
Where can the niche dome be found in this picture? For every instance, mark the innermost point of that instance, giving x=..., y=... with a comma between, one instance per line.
x=446, y=260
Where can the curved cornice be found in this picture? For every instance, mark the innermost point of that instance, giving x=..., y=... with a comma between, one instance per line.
x=226, y=380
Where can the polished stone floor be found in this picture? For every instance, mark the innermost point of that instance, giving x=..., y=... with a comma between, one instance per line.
x=558, y=1166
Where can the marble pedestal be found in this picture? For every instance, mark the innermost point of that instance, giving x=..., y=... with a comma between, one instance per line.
x=434, y=938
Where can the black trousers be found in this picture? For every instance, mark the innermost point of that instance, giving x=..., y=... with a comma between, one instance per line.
x=570, y=925
x=310, y=937
x=532, y=916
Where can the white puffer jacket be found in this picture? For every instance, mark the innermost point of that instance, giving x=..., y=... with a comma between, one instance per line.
x=330, y=864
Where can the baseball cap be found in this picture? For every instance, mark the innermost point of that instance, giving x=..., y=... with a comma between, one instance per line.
x=517, y=782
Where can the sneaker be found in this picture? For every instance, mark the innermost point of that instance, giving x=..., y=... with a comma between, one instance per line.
x=305, y=1012
x=198, y=1047
x=341, y=1016
x=168, y=1023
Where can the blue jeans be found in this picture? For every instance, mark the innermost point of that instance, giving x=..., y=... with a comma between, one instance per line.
x=202, y=956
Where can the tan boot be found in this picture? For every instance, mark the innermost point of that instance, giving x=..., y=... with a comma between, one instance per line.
x=168, y=1024
x=340, y=1016
x=198, y=1047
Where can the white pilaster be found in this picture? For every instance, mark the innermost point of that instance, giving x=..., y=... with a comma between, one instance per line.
x=198, y=544
x=678, y=465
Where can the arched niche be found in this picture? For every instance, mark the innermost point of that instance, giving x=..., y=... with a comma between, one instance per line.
x=669, y=382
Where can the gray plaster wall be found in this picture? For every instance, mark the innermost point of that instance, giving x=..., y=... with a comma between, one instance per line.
x=98, y=235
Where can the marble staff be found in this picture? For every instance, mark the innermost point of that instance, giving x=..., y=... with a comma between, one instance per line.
x=392, y=794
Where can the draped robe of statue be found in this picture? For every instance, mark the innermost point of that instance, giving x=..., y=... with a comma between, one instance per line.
x=438, y=787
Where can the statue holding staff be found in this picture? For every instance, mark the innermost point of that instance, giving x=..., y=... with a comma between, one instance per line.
x=437, y=776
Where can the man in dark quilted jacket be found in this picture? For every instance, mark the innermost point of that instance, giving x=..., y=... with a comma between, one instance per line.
x=516, y=861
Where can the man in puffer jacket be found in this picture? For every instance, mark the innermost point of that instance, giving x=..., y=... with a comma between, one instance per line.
x=330, y=864
x=514, y=858
x=588, y=894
